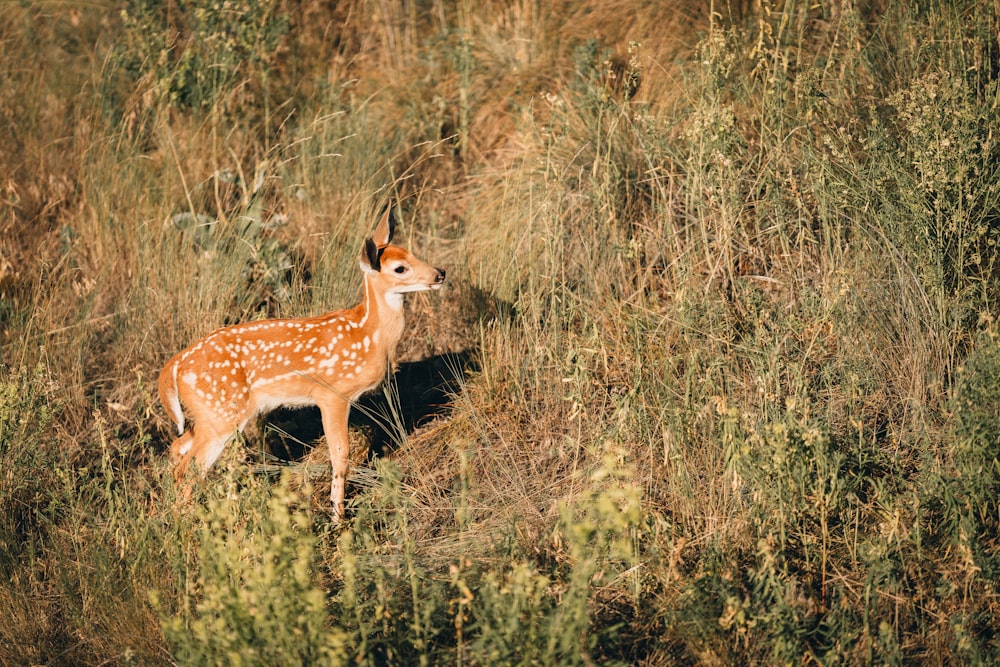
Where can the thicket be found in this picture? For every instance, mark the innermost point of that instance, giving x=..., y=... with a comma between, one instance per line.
x=719, y=341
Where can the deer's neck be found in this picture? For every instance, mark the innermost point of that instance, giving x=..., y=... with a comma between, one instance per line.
x=381, y=317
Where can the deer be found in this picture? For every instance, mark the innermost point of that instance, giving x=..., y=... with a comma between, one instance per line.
x=237, y=372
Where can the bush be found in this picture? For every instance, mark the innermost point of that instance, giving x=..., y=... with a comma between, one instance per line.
x=253, y=596
x=977, y=455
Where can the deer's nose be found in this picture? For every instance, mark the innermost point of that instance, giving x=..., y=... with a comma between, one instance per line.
x=440, y=276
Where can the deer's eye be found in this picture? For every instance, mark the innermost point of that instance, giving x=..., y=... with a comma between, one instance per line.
x=400, y=269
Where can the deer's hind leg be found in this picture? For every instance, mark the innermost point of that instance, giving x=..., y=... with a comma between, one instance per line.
x=202, y=444
x=180, y=450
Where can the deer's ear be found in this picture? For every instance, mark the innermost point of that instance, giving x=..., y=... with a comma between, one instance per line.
x=384, y=230
x=370, y=257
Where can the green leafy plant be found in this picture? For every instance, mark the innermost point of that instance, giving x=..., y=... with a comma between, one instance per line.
x=253, y=595
x=193, y=54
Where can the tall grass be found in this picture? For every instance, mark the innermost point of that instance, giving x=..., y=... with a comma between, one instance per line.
x=729, y=288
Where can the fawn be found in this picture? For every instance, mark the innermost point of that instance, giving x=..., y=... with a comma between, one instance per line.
x=236, y=372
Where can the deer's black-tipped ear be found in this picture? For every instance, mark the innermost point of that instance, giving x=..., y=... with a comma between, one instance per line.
x=370, y=257
x=386, y=227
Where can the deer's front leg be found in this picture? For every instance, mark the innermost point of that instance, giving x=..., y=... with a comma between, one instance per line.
x=335, y=412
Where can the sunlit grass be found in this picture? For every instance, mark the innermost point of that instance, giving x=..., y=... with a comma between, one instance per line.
x=726, y=295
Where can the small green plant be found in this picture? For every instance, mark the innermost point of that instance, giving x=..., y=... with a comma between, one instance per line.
x=600, y=532
x=976, y=522
x=192, y=54
x=391, y=601
x=797, y=485
x=242, y=238
x=513, y=616
x=796, y=478
x=943, y=172
x=252, y=597
x=26, y=411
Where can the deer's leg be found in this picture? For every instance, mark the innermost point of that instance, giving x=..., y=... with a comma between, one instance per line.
x=335, y=412
x=203, y=444
x=180, y=454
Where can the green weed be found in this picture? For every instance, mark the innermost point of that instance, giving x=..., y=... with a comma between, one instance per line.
x=251, y=594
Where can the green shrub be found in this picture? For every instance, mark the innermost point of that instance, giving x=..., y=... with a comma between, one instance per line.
x=943, y=174
x=193, y=54
x=391, y=601
x=26, y=412
x=976, y=406
x=252, y=597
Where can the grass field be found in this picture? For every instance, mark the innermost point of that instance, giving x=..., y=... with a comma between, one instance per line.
x=715, y=379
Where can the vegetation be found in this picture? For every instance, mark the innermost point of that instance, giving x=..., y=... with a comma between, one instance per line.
x=720, y=335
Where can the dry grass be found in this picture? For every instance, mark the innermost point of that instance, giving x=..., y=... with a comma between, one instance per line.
x=721, y=314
